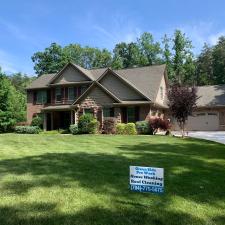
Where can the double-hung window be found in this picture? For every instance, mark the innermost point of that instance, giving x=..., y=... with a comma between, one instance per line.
x=108, y=112
x=58, y=95
x=41, y=97
x=71, y=93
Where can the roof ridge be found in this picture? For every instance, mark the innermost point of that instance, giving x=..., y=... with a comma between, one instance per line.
x=139, y=67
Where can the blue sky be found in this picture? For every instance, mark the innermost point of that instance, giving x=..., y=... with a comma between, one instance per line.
x=30, y=26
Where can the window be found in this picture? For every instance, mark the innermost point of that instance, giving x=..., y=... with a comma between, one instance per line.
x=212, y=114
x=130, y=114
x=108, y=112
x=41, y=97
x=222, y=118
x=71, y=93
x=58, y=95
x=161, y=93
x=200, y=114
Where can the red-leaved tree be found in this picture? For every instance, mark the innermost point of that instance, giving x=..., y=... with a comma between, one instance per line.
x=181, y=102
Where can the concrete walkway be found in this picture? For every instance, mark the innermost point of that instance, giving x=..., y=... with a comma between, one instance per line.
x=217, y=136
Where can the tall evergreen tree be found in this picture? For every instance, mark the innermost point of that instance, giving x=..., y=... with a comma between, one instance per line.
x=182, y=52
x=218, y=64
x=204, y=70
x=167, y=56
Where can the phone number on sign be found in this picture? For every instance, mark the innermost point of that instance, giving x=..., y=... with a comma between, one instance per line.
x=145, y=188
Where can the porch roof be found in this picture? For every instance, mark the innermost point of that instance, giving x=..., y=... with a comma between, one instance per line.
x=56, y=108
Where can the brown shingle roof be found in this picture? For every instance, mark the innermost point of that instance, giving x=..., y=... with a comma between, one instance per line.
x=211, y=96
x=41, y=82
x=146, y=79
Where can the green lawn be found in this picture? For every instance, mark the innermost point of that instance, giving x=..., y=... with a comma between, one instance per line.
x=65, y=179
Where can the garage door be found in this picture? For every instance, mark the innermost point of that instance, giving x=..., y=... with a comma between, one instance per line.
x=203, y=121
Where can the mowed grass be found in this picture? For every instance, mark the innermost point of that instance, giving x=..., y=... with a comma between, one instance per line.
x=65, y=179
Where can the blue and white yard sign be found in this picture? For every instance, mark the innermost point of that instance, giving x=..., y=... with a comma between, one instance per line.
x=146, y=179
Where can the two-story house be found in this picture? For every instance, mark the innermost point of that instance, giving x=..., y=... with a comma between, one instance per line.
x=129, y=95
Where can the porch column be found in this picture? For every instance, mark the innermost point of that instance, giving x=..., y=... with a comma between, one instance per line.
x=117, y=114
x=52, y=121
x=71, y=117
x=45, y=122
x=75, y=117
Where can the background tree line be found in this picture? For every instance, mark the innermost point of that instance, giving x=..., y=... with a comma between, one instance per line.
x=208, y=68
x=183, y=66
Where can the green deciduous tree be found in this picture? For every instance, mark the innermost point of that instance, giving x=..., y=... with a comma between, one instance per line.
x=150, y=51
x=12, y=104
x=51, y=60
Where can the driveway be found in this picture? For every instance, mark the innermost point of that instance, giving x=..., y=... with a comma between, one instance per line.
x=217, y=136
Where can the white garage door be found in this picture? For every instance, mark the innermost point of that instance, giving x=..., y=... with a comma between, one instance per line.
x=203, y=121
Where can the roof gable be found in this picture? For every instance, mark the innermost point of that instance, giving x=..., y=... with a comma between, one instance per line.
x=120, y=87
x=103, y=89
x=146, y=79
x=69, y=74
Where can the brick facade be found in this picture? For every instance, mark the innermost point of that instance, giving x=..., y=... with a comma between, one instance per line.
x=32, y=109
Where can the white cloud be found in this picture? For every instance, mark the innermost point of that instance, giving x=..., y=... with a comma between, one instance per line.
x=213, y=39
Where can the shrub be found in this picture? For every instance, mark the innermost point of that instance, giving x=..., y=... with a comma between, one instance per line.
x=7, y=122
x=130, y=129
x=37, y=121
x=27, y=129
x=24, y=123
x=160, y=124
x=87, y=124
x=109, y=125
x=93, y=126
x=74, y=129
x=120, y=127
x=143, y=127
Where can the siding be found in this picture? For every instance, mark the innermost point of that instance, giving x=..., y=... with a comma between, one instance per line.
x=70, y=74
x=159, y=99
x=96, y=98
x=119, y=88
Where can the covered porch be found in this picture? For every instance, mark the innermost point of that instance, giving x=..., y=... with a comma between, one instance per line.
x=58, y=117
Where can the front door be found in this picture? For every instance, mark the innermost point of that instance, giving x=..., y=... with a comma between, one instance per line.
x=65, y=119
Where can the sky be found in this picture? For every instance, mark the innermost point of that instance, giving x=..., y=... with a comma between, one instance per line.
x=30, y=26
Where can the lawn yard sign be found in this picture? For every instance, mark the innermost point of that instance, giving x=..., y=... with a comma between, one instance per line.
x=146, y=179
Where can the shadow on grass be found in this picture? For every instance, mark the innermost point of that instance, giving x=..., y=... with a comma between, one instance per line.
x=28, y=214
x=188, y=174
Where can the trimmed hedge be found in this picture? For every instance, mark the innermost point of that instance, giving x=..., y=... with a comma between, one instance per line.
x=120, y=127
x=37, y=122
x=143, y=127
x=27, y=129
x=74, y=129
x=87, y=124
x=128, y=129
